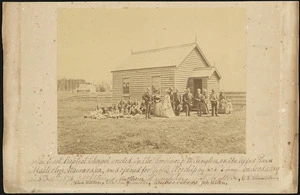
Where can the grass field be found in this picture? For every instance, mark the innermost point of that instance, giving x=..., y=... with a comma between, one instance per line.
x=79, y=135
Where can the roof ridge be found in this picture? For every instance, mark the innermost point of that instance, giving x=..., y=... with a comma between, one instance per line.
x=162, y=48
x=204, y=68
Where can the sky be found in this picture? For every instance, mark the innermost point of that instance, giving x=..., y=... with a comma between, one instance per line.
x=92, y=42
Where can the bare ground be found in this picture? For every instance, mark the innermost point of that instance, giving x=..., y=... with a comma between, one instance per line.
x=79, y=135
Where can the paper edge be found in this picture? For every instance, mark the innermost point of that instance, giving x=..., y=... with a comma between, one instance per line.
x=11, y=177
x=11, y=82
x=289, y=72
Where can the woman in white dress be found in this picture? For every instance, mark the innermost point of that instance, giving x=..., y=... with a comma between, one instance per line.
x=167, y=110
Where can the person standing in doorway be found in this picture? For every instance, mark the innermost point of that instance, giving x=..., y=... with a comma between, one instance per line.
x=214, y=103
x=199, y=101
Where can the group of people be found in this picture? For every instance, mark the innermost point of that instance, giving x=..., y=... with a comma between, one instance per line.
x=162, y=106
x=171, y=104
x=130, y=107
x=201, y=100
x=124, y=109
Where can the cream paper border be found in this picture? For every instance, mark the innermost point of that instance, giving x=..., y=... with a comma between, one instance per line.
x=29, y=37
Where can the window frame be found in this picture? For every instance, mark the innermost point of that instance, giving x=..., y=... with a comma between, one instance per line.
x=128, y=87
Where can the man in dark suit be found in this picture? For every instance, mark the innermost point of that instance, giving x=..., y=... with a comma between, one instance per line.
x=199, y=99
x=147, y=97
x=188, y=101
x=177, y=102
x=171, y=93
x=214, y=103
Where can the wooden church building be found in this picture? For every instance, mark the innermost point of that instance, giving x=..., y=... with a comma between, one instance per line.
x=180, y=67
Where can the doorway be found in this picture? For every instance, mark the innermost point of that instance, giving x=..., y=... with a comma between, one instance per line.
x=156, y=84
x=197, y=85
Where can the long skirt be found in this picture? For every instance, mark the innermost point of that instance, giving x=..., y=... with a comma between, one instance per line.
x=204, y=108
x=222, y=107
x=158, y=109
x=167, y=110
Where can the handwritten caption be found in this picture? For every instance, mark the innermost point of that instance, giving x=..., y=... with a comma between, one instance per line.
x=152, y=170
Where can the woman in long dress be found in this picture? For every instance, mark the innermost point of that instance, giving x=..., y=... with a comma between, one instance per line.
x=167, y=110
x=157, y=104
x=205, y=105
x=222, y=104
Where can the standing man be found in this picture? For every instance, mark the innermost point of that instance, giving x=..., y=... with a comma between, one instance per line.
x=177, y=102
x=188, y=101
x=171, y=94
x=199, y=102
x=147, y=97
x=214, y=103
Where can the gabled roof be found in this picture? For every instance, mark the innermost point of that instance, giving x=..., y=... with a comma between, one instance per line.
x=204, y=72
x=162, y=57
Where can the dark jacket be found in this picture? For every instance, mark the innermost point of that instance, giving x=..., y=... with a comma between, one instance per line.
x=171, y=94
x=157, y=98
x=199, y=98
x=177, y=98
x=147, y=98
x=188, y=98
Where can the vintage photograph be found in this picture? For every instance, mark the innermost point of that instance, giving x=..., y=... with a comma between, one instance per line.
x=151, y=80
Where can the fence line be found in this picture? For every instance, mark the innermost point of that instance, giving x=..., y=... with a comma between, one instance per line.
x=238, y=99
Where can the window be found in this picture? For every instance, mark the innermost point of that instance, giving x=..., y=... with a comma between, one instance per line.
x=126, y=86
x=156, y=83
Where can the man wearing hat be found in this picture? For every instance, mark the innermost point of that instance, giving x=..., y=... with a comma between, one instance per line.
x=147, y=97
x=188, y=101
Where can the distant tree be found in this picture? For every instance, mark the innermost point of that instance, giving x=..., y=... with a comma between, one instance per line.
x=68, y=84
x=102, y=88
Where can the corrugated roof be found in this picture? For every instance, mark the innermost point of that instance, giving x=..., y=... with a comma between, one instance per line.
x=163, y=57
x=203, y=72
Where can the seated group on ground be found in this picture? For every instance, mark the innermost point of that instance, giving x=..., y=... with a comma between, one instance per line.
x=124, y=109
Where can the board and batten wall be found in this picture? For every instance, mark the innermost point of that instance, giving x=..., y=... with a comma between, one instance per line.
x=185, y=69
x=139, y=80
